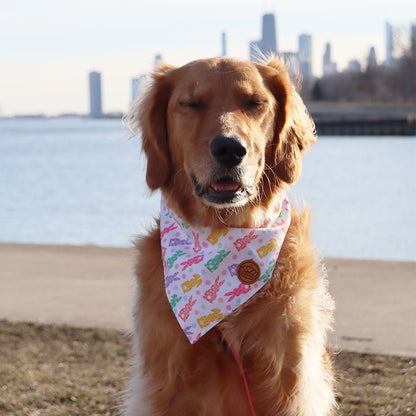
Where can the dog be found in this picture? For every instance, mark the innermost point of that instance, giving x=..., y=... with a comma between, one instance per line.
x=223, y=140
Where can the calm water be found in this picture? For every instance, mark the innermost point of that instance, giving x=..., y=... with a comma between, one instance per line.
x=82, y=182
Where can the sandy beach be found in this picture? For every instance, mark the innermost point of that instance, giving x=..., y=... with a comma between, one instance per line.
x=93, y=286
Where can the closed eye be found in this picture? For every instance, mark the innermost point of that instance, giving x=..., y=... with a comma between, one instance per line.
x=252, y=104
x=194, y=105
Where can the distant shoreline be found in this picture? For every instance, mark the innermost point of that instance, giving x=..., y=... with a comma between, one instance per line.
x=331, y=118
x=316, y=108
x=118, y=115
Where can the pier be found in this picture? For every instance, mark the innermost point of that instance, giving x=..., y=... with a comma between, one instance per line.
x=347, y=119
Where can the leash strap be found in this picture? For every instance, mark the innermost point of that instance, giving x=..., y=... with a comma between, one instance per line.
x=243, y=375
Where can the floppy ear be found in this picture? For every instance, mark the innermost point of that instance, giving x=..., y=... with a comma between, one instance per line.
x=294, y=130
x=151, y=118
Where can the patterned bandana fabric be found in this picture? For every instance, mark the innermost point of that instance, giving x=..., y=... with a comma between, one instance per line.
x=209, y=274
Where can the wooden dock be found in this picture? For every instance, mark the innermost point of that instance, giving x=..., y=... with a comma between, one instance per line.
x=376, y=127
x=351, y=119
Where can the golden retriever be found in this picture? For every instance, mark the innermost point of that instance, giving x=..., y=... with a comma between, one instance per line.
x=223, y=140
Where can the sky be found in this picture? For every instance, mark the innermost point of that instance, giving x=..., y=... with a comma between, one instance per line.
x=48, y=47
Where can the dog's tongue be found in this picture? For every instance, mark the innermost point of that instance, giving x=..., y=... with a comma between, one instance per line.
x=225, y=186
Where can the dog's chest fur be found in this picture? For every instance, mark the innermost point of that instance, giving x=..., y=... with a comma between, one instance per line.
x=271, y=333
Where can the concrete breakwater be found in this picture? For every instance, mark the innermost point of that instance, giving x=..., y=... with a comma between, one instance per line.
x=347, y=119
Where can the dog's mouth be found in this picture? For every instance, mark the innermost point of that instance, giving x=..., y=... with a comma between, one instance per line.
x=224, y=190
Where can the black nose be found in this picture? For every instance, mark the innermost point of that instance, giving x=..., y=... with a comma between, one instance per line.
x=228, y=151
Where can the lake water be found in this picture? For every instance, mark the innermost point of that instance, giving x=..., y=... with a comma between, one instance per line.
x=80, y=181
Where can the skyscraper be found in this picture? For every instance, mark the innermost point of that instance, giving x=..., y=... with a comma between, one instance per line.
x=305, y=57
x=291, y=60
x=223, y=44
x=268, y=43
x=269, y=34
x=327, y=59
x=389, y=44
x=95, y=94
x=158, y=60
x=137, y=86
x=255, y=50
x=353, y=66
x=372, y=59
x=329, y=67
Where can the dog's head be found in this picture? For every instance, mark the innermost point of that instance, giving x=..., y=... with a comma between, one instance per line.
x=222, y=137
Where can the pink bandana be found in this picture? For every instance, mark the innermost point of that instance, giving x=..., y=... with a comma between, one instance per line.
x=208, y=275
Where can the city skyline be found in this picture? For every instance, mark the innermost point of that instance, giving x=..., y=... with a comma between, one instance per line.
x=48, y=47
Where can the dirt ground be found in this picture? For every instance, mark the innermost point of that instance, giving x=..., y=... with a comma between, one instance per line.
x=60, y=370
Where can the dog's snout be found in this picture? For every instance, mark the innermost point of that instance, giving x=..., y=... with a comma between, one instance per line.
x=228, y=151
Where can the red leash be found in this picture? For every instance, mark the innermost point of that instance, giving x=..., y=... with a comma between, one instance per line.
x=241, y=371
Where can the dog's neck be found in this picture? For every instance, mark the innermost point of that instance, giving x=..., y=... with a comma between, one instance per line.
x=195, y=211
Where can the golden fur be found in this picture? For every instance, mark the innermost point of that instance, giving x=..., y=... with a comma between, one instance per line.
x=279, y=335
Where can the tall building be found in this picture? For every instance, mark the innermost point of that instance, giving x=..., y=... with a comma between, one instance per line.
x=291, y=60
x=353, y=66
x=269, y=34
x=223, y=44
x=137, y=86
x=255, y=50
x=305, y=57
x=327, y=59
x=413, y=41
x=329, y=67
x=372, y=59
x=389, y=44
x=158, y=59
x=267, y=44
x=95, y=94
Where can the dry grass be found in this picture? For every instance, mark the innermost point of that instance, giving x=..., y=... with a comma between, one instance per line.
x=55, y=370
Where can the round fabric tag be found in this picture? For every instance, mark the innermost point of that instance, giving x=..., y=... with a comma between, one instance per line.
x=248, y=272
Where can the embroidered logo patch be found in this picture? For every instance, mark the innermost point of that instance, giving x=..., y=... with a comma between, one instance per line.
x=248, y=272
